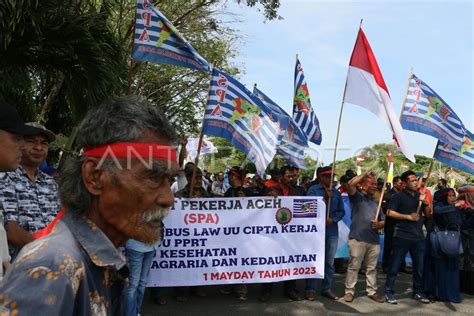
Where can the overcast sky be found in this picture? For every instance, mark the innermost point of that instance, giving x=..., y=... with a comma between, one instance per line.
x=434, y=37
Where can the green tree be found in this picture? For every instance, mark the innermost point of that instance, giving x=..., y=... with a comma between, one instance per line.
x=58, y=58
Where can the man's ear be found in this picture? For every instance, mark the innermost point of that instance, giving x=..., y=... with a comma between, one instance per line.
x=93, y=177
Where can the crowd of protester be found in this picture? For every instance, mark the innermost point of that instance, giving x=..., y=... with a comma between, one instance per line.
x=78, y=268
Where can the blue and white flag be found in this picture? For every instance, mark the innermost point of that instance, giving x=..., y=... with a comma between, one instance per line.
x=235, y=114
x=462, y=159
x=158, y=41
x=293, y=142
x=426, y=112
x=303, y=112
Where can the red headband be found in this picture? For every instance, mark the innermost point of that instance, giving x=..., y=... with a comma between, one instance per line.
x=132, y=150
x=325, y=172
x=370, y=180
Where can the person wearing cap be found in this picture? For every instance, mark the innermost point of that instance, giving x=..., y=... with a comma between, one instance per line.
x=336, y=213
x=364, y=241
x=116, y=189
x=12, y=130
x=31, y=201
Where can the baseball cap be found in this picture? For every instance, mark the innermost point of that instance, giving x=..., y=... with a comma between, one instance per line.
x=11, y=121
x=40, y=129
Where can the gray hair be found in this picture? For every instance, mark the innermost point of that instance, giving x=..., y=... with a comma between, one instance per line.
x=121, y=120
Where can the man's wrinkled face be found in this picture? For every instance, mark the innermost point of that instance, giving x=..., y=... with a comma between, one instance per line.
x=35, y=150
x=11, y=146
x=134, y=201
x=412, y=183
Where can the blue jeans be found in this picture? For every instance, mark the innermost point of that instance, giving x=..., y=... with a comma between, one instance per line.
x=139, y=265
x=330, y=252
x=399, y=251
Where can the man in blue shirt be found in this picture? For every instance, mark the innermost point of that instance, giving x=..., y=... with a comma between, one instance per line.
x=336, y=213
x=364, y=242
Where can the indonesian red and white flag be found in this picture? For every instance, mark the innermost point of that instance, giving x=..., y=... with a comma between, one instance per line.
x=365, y=87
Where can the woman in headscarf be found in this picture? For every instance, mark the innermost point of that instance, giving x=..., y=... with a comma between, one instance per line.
x=442, y=282
x=466, y=203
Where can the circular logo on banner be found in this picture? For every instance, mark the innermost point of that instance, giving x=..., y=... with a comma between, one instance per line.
x=283, y=216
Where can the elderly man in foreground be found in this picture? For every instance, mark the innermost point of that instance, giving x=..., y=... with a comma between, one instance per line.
x=117, y=189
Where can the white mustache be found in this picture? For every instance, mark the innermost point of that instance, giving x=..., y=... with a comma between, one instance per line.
x=157, y=214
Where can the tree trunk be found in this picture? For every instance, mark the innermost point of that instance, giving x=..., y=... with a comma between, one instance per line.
x=42, y=118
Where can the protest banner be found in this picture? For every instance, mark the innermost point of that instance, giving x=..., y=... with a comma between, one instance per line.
x=241, y=240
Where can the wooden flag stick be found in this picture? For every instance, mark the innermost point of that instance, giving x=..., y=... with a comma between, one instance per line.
x=383, y=192
x=410, y=74
x=201, y=135
x=132, y=62
x=328, y=207
x=335, y=151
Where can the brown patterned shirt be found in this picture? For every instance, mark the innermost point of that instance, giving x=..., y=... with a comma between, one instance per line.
x=75, y=270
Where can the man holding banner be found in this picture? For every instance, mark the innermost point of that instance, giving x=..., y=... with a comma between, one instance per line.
x=285, y=188
x=364, y=241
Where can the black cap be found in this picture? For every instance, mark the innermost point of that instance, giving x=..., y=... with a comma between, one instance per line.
x=40, y=129
x=11, y=121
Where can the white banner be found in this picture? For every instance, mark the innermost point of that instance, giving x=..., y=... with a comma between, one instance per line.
x=241, y=240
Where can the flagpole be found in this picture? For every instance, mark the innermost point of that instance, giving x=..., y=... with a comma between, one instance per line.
x=383, y=192
x=335, y=146
x=132, y=63
x=196, y=160
x=410, y=74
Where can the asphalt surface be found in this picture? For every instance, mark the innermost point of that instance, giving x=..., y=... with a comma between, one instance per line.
x=216, y=303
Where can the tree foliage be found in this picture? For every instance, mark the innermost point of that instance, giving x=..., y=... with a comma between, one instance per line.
x=58, y=58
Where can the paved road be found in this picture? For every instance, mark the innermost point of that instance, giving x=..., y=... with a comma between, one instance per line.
x=217, y=304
